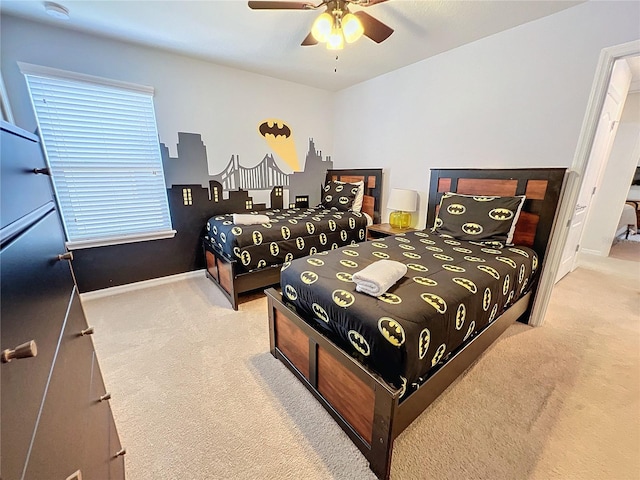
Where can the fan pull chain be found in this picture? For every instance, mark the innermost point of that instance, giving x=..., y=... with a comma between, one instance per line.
x=335, y=69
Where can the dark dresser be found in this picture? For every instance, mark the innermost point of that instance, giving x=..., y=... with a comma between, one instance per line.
x=56, y=421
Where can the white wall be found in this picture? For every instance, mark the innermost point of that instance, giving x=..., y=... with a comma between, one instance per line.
x=225, y=105
x=515, y=99
x=609, y=200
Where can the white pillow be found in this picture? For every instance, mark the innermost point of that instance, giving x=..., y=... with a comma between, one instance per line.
x=357, y=202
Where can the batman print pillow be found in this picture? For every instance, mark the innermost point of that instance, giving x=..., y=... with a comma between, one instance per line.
x=478, y=218
x=338, y=195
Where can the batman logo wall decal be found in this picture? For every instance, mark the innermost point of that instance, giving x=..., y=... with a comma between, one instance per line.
x=227, y=222
x=359, y=342
x=494, y=310
x=313, y=251
x=361, y=234
x=461, y=314
x=484, y=199
x=323, y=238
x=379, y=245
x=245, y=257
x=417, y=267
x=444, y=258
x=501, y=214
x=406, y=247
x=466, y=283
x=273, y=128
x=505, y=285
x=262, y=263
x=293, y=221
x=343, y=235
x=320, y=312
x=351, y=253
x=328, y=198
x=427, y=241
x=285, y=265
x=339, y=188
x=286, y=233
x=412, y=255
x=508, y=261
x=342, y=298
x=470, y=258
x=423, y=342
x=309, y=277
x=486, y=299
x=300, y=243
x=521, y=273
x=434, y=249
x=391, y=298
x=439, y=354
x=534, y=265
x=456, y=209
x=472, y=326
x=236, y=251
x=462, y=250
x=343, y=200
x=435, y=301
x=349, y=263
x=316, y=262
x=290, y=292
x=427, y=282
x=215, y=229
x=492, y=251
x=380, y=254
x=288, y=257
x=236, y=230
x=352, y=223
x=438, y=223
x=392, y=331
x=400, y=238
x=344, y=276
x=257, y=237
x=453, y=268
x=274, y=249
x=223, y=237
x=332, y=225
x=421, y=234
x=490, y=270
x=471, y=228
x=519, y=252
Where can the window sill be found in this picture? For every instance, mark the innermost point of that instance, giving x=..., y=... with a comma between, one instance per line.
x=105, y=242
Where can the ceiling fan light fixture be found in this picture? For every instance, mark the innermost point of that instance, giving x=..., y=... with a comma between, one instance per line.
x=336, y=39
x=322, y=27
x=352, y=28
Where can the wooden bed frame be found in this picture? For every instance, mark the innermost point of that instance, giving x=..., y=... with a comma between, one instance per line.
x=365, y=406
x=229, y=275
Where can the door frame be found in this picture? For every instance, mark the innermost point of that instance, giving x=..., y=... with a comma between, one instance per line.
x=575, y=174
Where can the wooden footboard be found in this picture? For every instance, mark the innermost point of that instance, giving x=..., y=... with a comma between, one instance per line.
x=365, y=406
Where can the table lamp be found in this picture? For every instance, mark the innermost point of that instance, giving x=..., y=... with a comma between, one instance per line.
x=403, y=202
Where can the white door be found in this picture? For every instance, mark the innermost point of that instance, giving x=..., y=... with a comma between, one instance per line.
x=600, y=150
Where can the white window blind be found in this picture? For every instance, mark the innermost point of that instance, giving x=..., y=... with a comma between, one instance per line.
x=101, y=143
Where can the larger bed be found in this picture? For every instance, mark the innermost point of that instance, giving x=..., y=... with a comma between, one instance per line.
x=376, y=363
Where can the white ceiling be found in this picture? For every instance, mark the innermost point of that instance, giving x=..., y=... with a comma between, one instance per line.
x=227, y=32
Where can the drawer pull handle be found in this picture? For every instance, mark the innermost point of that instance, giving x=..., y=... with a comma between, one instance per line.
x=65, y=256
x=120, y=453
x=42, y=171
x=87, y=331
x=106, y=396
x=26, y=350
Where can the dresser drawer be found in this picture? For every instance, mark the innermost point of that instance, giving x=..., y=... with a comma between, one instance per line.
x=21, y=190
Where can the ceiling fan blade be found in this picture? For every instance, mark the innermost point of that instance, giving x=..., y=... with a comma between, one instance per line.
x=309, y=40
x=373, y=28
x=368, y=3
x=273, y=5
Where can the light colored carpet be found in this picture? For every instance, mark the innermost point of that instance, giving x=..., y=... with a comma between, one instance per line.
x=626, y=250
x=197, y=395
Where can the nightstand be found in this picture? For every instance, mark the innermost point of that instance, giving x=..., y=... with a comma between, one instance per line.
x=381, y=230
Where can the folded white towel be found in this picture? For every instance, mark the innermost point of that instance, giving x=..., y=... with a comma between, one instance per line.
x=246, y=219
x=380, y=276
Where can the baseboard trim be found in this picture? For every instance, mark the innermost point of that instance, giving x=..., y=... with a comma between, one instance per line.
x=588, y=251
x=130, y=287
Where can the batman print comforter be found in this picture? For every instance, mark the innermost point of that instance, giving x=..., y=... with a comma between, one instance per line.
x=290, y=234
x=452, y=289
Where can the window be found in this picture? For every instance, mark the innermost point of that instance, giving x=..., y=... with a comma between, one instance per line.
x=186, y=196
x=248, y=204
x=278, y=191
x=215, y=194
x=101, y=143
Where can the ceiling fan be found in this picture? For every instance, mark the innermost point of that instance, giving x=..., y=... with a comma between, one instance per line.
x=337, y=24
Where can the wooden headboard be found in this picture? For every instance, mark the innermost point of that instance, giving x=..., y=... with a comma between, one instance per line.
x=372, y=178
x=542, y=187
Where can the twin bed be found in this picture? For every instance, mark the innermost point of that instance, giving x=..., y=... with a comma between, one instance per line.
x=375, y=363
